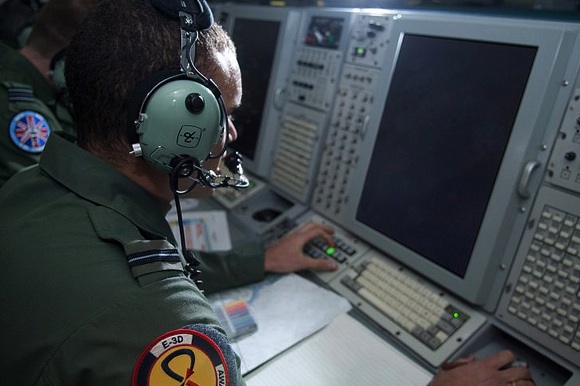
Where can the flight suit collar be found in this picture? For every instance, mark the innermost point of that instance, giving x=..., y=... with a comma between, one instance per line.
x=95, y=180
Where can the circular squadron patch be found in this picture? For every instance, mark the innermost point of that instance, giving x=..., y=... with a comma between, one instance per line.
x=29, y=131
x=182, y=357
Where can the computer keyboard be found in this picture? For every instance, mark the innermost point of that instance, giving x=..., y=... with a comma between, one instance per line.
x=544, y=302
x=340, y=251
x=424, y=313
x=346, y=249
x=421, y=316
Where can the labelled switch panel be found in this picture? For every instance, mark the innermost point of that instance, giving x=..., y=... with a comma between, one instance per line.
x=369, y=40
x=356, y=93
x=314, y=76
x=564, y=165
x=311, y=91
x=295, y=162
x=348, y=123
x=318, y=59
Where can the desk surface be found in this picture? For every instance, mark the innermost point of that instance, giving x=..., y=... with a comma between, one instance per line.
x=344, y=353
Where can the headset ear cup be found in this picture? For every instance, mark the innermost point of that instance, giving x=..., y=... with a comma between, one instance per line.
x=143, y=89
x=179, y=117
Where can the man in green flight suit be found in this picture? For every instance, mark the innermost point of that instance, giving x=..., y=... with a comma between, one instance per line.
x=92, y=273
x=32, y=98
x=93, y=290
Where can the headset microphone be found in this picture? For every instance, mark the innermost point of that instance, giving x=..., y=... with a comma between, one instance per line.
x=233, y=163
x=189, y=168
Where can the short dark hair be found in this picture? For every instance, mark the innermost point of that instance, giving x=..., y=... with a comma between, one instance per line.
x=120, y=44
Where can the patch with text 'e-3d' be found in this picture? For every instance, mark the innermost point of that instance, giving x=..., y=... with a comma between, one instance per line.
x=186, y=357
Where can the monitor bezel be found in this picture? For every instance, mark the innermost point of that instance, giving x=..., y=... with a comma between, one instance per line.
x=289, y=20
x=503, y=211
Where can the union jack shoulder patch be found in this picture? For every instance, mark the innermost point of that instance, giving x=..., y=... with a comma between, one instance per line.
x=29, y=131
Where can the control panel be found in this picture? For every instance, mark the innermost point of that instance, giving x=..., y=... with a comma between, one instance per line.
x=311, y=92
x=317, y=64
x=369, y=39
x=564, y=166
x=295, y=158
x=347, y=126
x=543, y=288
x=340, y=66
x=365, y=59
x=347, y=248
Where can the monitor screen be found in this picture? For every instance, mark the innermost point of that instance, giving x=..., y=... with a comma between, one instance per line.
x=256, y=58
x=445, y=126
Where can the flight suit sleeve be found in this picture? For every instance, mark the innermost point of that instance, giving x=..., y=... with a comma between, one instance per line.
x=222, y=270
x=142, y=335
x=157, y=328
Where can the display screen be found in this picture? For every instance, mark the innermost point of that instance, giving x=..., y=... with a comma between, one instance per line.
x=446, y=123
x=324, y=32
x=255, y=42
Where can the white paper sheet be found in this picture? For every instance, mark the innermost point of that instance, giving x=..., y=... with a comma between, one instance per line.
x=204, y=230
x=344, y=353
x=287, y=309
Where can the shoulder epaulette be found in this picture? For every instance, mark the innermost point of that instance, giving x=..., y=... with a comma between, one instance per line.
x=21, y=94
x=143, y=256
x=147, y=256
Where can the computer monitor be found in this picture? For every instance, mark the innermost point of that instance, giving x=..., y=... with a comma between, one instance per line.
x=262, y=36
x=447, y=178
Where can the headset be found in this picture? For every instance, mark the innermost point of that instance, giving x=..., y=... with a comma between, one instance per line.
x=177, y=117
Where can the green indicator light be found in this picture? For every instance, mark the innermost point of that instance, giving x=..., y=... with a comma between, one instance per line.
x=456, y=315
x=330, y=250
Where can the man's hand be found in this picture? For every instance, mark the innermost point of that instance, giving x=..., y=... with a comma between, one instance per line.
x=286, y=254
x=484, y=372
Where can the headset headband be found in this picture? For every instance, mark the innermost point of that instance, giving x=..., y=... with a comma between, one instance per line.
x=171, y=9
x=162, y=128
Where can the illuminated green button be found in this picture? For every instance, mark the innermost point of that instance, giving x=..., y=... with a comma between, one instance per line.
x=330, y=251
x=360, y=51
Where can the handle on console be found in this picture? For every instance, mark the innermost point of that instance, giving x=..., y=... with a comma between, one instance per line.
x=279, y=98
x=523, y=190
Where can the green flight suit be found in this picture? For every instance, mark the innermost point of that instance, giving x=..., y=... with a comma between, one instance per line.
x=29, y=111
x=78, y=304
